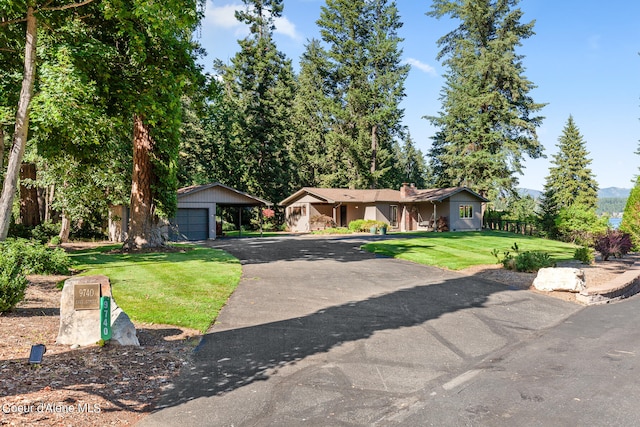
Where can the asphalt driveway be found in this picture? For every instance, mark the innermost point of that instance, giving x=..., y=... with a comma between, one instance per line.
x=321, y=333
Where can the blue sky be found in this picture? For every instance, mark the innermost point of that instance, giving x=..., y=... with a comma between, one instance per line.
x=584, y=60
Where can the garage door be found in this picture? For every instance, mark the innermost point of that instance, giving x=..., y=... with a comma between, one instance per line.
x=190, y=224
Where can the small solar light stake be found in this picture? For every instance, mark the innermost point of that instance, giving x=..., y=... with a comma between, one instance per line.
x=37, y=351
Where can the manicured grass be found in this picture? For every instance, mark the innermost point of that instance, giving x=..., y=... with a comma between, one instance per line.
x=459, y=250
x=175, y=288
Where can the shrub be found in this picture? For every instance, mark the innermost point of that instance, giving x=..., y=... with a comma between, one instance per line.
x=532, y=261
x=45, y=231
x=584, y=255
x=322, y=221
x=579, y=224
x=35, y=258
x=529, y=261
x=615, y=243
x=12, y=281
x=364, y=225
x=356, y=225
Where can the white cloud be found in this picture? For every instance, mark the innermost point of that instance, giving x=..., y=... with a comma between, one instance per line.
x=224, y=17
x=287, y=28
x=421, y=66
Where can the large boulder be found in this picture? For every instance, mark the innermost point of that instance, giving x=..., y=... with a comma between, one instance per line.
x=560, y=279
x=82, y=327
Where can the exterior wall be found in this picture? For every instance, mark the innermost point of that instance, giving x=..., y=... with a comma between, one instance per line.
x=211, y=206
x=215, y=195
x=297, y=216
x=464, y=224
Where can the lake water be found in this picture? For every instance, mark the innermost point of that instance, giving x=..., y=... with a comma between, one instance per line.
x=615, y=222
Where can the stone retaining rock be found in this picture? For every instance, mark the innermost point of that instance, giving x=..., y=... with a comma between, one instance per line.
x=560, y=279
x=82, y=327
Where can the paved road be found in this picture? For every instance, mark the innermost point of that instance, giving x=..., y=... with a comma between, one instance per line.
x=320, y=333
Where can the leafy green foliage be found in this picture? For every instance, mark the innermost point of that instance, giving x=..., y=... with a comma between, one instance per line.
x=613, y=243
x=631, y=217
x=365, y=225
x=45, y=231
x=584, y=255
x=35, y=258
x=13, y=283
x=529, y=261
x=580, y=225
x=487, y=123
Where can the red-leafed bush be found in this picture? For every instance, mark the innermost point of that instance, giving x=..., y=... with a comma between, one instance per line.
x=613, y=243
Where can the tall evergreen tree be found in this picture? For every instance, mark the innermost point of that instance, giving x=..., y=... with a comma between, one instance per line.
x=366, y=83
x=570, y=191
x=487, y=123
x=411, y=164
x=259, y=87
x=570, y=179
x=315, y=161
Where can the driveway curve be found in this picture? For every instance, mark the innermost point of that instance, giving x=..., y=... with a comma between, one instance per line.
x=322, y=333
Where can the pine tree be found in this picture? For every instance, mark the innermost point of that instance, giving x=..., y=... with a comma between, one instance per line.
x=366, y=84
x=411, y=164
x=259, y=86
x=570, y=191
x=313, y=158
x=570, y=180
x=487, y=123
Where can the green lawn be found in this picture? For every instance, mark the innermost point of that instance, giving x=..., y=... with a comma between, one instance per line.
x=459, y=250
x=177, y=288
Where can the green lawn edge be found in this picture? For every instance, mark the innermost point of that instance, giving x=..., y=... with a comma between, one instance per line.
x=186, y=288
x=460, y=250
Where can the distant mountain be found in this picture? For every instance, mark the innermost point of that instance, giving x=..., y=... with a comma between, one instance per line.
x=614, y=192
x=603, y=193
x=529, y=192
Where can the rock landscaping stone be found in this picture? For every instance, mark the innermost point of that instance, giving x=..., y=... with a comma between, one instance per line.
x=560, y=279
x=82, y=327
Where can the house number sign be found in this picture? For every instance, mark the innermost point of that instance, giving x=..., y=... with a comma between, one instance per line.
x=86, y=296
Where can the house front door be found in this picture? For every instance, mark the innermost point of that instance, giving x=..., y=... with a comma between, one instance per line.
x=343, y=216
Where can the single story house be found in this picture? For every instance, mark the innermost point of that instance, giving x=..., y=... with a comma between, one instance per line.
x=196, y=215
x=407, y=209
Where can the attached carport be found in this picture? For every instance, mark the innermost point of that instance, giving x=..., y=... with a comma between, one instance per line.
x=196, y=215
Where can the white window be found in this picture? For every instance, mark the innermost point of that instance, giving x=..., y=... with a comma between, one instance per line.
x=466, y=211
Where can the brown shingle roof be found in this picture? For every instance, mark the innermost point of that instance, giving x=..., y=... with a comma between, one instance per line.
x=345, y=195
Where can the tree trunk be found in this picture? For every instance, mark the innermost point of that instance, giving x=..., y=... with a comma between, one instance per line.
x=1, y=147
x=65, y=228
x=21, y=127
x=29, y=208
x=374, y=155
x=144, y=227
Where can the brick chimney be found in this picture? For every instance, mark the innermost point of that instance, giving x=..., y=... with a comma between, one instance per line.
x=407, y=190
